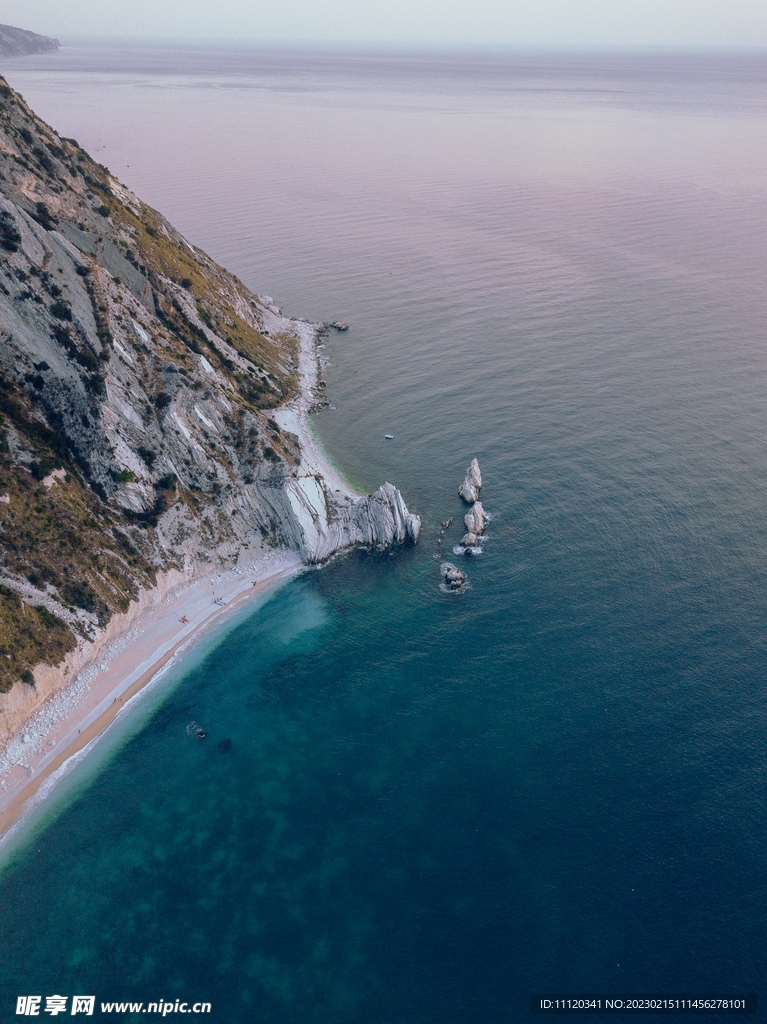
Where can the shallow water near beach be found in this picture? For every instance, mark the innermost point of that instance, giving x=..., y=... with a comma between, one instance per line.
x=64, y=786
x=418, y=807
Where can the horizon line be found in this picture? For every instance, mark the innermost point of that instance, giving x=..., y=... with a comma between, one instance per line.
x=412, y=46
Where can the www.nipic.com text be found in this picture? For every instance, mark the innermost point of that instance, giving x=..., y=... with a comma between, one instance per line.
x=32, y=1006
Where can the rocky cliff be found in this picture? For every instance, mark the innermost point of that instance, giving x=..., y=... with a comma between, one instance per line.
x=152, y=409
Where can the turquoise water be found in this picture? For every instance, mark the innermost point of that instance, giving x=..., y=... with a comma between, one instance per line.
x=432, y=806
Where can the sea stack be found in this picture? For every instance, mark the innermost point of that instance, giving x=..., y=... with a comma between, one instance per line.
x=454, y=579
x=469, y=489
x=475, y=519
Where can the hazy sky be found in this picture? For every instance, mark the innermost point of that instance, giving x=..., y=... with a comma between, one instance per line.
x=468, y=22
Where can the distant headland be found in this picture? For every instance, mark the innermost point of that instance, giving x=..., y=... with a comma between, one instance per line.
x=18, y=42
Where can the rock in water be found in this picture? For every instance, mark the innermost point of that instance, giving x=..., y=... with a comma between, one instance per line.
x=469, y=540
x=475, y=519
x=453, y=577
x=469, y=489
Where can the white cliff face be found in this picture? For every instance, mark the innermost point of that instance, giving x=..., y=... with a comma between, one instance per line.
x=475, y=519
x=469, y=489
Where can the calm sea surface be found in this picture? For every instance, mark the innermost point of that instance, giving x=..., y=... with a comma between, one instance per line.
x=436, y=805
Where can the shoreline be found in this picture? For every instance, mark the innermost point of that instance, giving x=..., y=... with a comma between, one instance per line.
x=156, y=639
x=139, y=645
x=294, y=415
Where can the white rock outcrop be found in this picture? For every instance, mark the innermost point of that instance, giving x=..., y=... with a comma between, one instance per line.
x=472, y=482
x=319, y=521
x=475, y=519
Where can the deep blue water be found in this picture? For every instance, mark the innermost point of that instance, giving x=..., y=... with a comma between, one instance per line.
x=434, y=806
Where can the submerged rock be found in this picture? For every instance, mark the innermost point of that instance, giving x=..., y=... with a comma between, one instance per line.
x=469, y=489
x=475, y=519
x=413, y=524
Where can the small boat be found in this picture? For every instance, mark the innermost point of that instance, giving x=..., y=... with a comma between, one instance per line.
x=389, y=437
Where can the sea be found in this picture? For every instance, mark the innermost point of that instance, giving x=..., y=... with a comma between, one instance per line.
x=412, y=806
